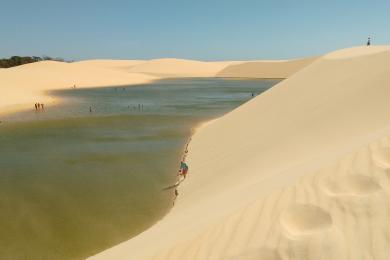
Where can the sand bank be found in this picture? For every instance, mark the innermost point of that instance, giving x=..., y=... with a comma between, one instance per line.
x=299, y=172
x=21, y=87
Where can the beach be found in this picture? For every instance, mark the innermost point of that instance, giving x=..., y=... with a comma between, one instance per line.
x=299, y=172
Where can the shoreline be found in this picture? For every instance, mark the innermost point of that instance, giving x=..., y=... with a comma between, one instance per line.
x=195, y=123
x=327, y=129
x=20, y=108
x=54, y=100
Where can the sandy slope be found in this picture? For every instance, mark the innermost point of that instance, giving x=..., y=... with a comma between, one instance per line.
x=181, y=68
x=111, y=64
x=299, y=172
x=265, y=69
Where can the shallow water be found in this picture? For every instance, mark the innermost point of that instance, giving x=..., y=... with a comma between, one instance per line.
x=73, y=183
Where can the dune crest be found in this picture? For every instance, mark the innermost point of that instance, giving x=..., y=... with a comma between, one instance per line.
x=355, y=52
x=170, y=67
x=265, y=69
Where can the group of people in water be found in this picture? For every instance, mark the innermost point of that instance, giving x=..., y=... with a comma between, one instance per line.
x=39, y=107
x=139, y=107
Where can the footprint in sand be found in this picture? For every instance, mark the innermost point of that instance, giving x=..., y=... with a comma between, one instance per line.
x=355, y=184
x=381, y=157
x=256, y=254
x=303, y=219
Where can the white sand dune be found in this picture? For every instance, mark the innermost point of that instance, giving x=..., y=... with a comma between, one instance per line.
x=265, y=69
x=181, y=68
x=111, y=64
x=299, y=172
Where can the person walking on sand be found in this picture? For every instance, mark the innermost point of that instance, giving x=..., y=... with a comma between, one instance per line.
x=183, y=169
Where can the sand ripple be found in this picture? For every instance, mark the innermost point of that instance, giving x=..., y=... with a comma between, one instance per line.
x=352, y=185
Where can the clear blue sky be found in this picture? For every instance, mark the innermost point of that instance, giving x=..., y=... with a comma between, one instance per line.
x=196, y=29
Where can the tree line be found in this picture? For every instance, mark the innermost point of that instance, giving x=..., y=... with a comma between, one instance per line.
x=19, y=60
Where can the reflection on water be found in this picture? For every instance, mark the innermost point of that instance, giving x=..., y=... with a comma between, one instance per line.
x=73, y=183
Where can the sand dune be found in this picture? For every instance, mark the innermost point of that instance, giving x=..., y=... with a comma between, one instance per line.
x=265, y=69
x=299, y=172
x=181, y=68
x=111, y=64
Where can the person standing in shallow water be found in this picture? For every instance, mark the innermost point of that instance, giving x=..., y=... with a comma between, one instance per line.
x=369, y=41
